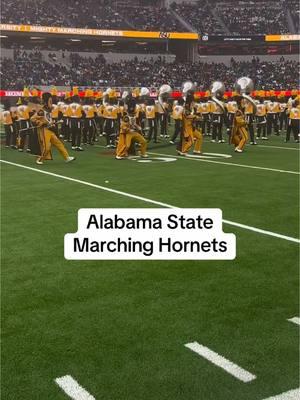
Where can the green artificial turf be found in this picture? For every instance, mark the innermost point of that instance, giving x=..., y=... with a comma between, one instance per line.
x=119, y=327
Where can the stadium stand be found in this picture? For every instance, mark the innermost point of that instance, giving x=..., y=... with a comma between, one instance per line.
x=205, y=17
x=200, y=17
x=29, y=68
x=63, y=13
x=264, y=17
x=78, y=14
x=294, y=10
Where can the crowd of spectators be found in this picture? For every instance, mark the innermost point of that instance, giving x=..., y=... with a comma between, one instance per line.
x=25, y=56
x=252, y=18
x=200, y=17
x=96, y=72
x=151, y=18
x=78, y=14
x=100, y=14
x=294, y=8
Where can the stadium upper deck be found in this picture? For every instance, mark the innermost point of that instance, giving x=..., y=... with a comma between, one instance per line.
x=202, y=16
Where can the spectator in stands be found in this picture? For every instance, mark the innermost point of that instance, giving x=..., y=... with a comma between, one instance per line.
x=88, y=71
x=253, y=18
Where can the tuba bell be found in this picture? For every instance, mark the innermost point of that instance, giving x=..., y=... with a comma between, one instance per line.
x=217, y=89
x=144, y=92
x=188, y=89
x=244, y=86
x=164, y=93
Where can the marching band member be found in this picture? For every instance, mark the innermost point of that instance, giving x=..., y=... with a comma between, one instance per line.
x=46, y=136
x=64, y=107
x=75, y=114
x=204, y=109
x=261, y=112
x=55, y=116
x=23, y=114
x=294, y=122
x=55, y=112
x=218, y=111
x=99, y=113
x=239, y=135
x=130, y=133
x=232, y=108
x=163, y=109
x=249, y=113
x=177, y=113
x=111, y=115
x=7, y=118
x=144, y=96
x=151, y=117
x=272, y=115
x=89, y=112
x=190, y=135
x=283, y=117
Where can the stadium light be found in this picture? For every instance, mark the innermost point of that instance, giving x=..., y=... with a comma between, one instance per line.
x=35, y=37
x=75, y=40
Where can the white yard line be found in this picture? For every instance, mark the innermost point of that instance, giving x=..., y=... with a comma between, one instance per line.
x=290, y=395
x=73, y=389
x=146, y=200
x=279, y=147
x=227, y=163
x=221, y=362
x=295, y=320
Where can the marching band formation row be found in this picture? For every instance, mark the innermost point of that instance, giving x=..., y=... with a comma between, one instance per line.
x=136, y=117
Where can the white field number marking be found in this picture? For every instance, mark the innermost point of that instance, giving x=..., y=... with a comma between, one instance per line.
x=152, y=159
x=209, y=155
x=73, y=389
x=221, y=362
x=197, y=158
x=290, y=395
x=295, y=320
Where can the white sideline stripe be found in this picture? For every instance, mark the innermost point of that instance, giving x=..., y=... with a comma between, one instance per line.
x=227, y=163
x=290, y=395
x=221, y=362
x=133, y=196
x=73, y=389
x=262, y=231
x=295, y=320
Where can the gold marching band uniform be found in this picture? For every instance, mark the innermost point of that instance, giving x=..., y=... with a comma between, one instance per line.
x=239, y=134
x=102, y=113
x=191, y=136
x=45, y=127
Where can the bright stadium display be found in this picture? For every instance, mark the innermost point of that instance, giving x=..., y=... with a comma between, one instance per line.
x=150, y=199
